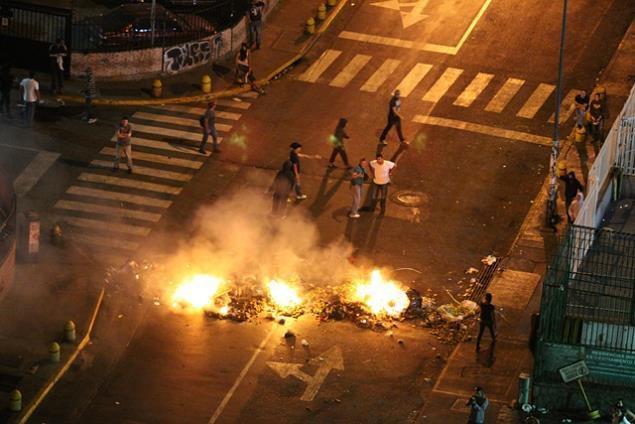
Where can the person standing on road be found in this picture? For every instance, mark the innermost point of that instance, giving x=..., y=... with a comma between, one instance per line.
x=294, y=158
x=338, y=144
x=487, y=320
x=90, y=92
x=255, y=23
x=124, y=142
x=357, y=184
x=208, y=124
x=30, y=93
x=281, y=187
x=571, y=188
x=381, y=171
x=394, y=118
x=582, y=100
x=596, y=118
x=478, y=404
x=6, y=84
x=57, y=53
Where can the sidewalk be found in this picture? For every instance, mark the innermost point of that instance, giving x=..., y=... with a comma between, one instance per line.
x=516, y=290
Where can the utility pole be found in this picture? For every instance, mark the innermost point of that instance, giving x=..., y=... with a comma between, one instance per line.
x=552, y=210
x=153, y=10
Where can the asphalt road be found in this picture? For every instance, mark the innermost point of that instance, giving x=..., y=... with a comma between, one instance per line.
x=476, y=163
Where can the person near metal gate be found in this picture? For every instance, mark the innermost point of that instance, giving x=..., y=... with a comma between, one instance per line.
x=57, y=52
x=254, y=13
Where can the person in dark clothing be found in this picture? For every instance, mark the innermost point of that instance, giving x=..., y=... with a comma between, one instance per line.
x=90, y=92
x=244, y=73
x=571, y=187
x=596, y=121
x=57, y=53
x=255, y=22
x=294, y=158
x=6, y=83
x=208, y=126
x=478, y=404
x=394, y=118
x=582, y=100
x=281, y=187
x=338, y=144
x=488, y=320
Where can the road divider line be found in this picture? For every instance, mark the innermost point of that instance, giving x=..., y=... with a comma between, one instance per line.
x=198, y=111
x=107, y=210
x=93, y=224
x=317, y=68
x=233, y=104
x=350, y=71
x=443, y=84
x=176, y=120
x=129, y=183
x=473, y=90
x=380, y=75
x=151, y=157
x=223, y=404
x=190, y=149
x=414, y=77
x=33, y=172
x=120, y=197
x=150, y=172
x=483, y=129
x=536, y=100
x=566, y=107
x=397, y=42
x=167, y=132
x=504, y=95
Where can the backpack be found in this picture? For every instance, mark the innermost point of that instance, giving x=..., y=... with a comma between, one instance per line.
x=201, y=120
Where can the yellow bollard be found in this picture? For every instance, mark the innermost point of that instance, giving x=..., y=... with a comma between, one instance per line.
x=562, y=168
x=15, y=401
x=310, y=26
x=69, y=331
x=331, y=3
x=157, y=88
x=206, y=84
x=54, y=352
x=580, y=134
x=321, y=15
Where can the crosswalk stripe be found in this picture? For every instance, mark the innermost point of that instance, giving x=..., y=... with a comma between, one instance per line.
x=121, y=197
x=318, y=67
x=445, y=81
x=150, y=172
x=566, y=107
x=349, y=72
x=112, y=242
x=189, y=149
x=184, y=122
x=233, y=104
x=381, y=75
x=414, y=77
x=167, y=132
x=107, y=210
x=101, y=225
x=473, y=90
x=504, y=95
x=536, y=100
x=151, y=157
x=249, y=95
x=198, y=111
x=33, y=172
x=130, y=183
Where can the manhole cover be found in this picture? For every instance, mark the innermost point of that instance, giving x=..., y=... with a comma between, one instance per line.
x=412, y=199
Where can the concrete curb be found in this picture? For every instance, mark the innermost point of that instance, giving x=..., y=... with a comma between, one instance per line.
x=41, y=394
x=219, y=94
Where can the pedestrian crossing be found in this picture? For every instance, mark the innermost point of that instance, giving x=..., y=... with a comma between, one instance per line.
x=108, y=212
x=498, y=94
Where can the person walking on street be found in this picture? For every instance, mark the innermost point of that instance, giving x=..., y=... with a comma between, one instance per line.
x=30, y=94
x=57, y=53
x=571, y=188
x=124, y=142
x=394, y=118
x=255, y=23
x=294, y=158
x=338, y=144
x=478, y=404
x=208, y=124
x=357, y=184
x=6, y=84
x=90, y=92
x=487, y=320
x=281, y=187
x=381, y=171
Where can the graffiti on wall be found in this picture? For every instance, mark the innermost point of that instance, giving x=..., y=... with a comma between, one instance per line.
x=185, y=56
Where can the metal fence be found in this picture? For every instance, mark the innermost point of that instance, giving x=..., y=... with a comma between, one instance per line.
x=588, y=296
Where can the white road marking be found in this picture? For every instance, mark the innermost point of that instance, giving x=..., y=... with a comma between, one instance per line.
x=470, y=28
x=483, y=129
x=407, y=18
x=33, y=172
x=473, y=90
x=566, y=107
x=221, y=407
x=504, y=95
x=249, y=95
x=198, y=111
x=107, y=210
x=150, y=157
x=189, y=149
x=111, y=242
x=93, y=224
x=319, y=66
x=536, y=100
x=151, y=172
x=414, y=77
x=167, y=132
x=233, y=104
x=381, y=75
x=129, y=183
x=445, y=81
x=349, y=72
x=120, y=197
x=176, y=120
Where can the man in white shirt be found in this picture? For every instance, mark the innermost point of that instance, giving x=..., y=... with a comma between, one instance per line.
x=30, y=93
x=381, y=171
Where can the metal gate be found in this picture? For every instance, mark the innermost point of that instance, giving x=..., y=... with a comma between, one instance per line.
x=27, y=31
x=626, y=146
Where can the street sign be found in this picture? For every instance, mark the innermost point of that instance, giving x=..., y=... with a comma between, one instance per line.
x=575, y=371
x=329, y=360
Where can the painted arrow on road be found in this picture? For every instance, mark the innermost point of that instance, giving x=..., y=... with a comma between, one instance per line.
x=329, y=360
x=407, y=18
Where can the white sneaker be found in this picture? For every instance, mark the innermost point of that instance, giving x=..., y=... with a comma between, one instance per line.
x=92, y=120
x=354, y=215
x=301, y=197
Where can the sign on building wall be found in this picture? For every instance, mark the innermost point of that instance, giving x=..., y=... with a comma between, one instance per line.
x=188, y=55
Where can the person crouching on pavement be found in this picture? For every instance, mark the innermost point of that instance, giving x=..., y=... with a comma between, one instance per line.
x=478, y=404
x=244, y=72
x=357, y=183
